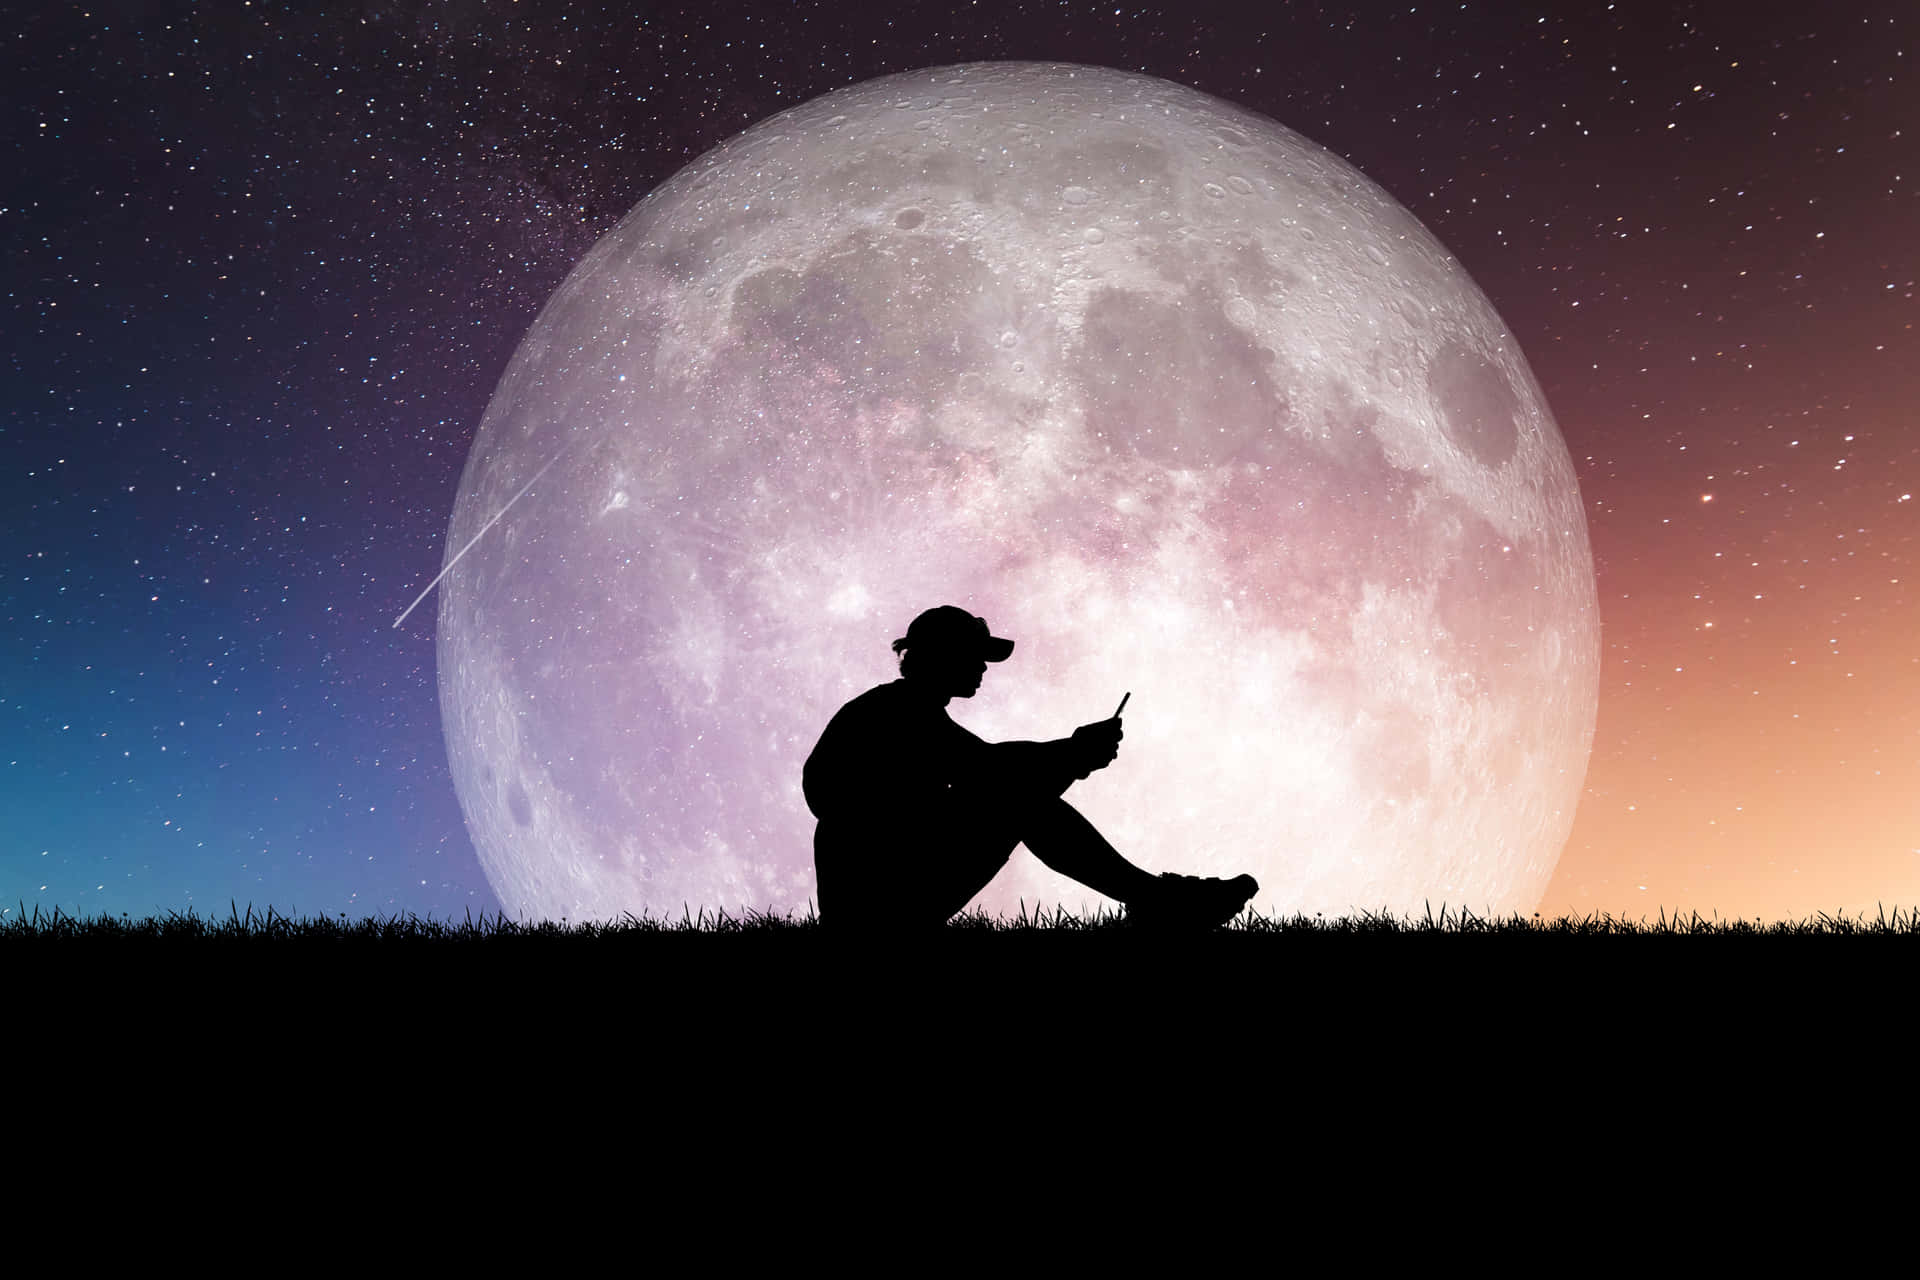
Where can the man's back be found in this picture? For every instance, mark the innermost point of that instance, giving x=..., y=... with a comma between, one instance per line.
x=881, y=781
x=884, y=752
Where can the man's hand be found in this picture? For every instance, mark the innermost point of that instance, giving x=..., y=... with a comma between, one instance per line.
x=1097, y=744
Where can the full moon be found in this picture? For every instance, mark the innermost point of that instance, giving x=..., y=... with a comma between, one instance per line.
x=1172, y=396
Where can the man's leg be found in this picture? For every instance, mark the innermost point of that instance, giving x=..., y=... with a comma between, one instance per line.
x=913, y=882
x=1068, y=843
x=1063, y=839
x=1057, y=834
x=973, y=853
x=958, y=868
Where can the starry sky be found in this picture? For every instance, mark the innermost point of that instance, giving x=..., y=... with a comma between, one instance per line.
x=264, y=265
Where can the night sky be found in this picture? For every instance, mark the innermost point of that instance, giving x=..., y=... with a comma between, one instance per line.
x=265, y=265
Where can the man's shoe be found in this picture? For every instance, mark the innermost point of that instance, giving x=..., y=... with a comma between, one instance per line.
x=1189, y=903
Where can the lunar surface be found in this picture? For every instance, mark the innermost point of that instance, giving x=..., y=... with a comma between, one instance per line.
x=1170, y=395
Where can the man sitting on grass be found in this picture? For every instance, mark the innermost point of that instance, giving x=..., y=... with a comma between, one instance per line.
x=916, y=814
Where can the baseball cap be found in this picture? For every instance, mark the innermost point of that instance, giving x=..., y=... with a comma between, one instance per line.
x=953, y=628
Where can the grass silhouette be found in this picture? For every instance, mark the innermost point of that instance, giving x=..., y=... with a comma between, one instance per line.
x=713, y=999
x=176, y=929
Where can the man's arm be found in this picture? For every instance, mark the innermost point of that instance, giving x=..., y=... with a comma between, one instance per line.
x=1050, y=766
x=1058, y=764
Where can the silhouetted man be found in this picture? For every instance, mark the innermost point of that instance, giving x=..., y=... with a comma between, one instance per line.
x=917, y=814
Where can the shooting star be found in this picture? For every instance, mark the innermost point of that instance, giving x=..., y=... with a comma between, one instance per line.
x=483, y=533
